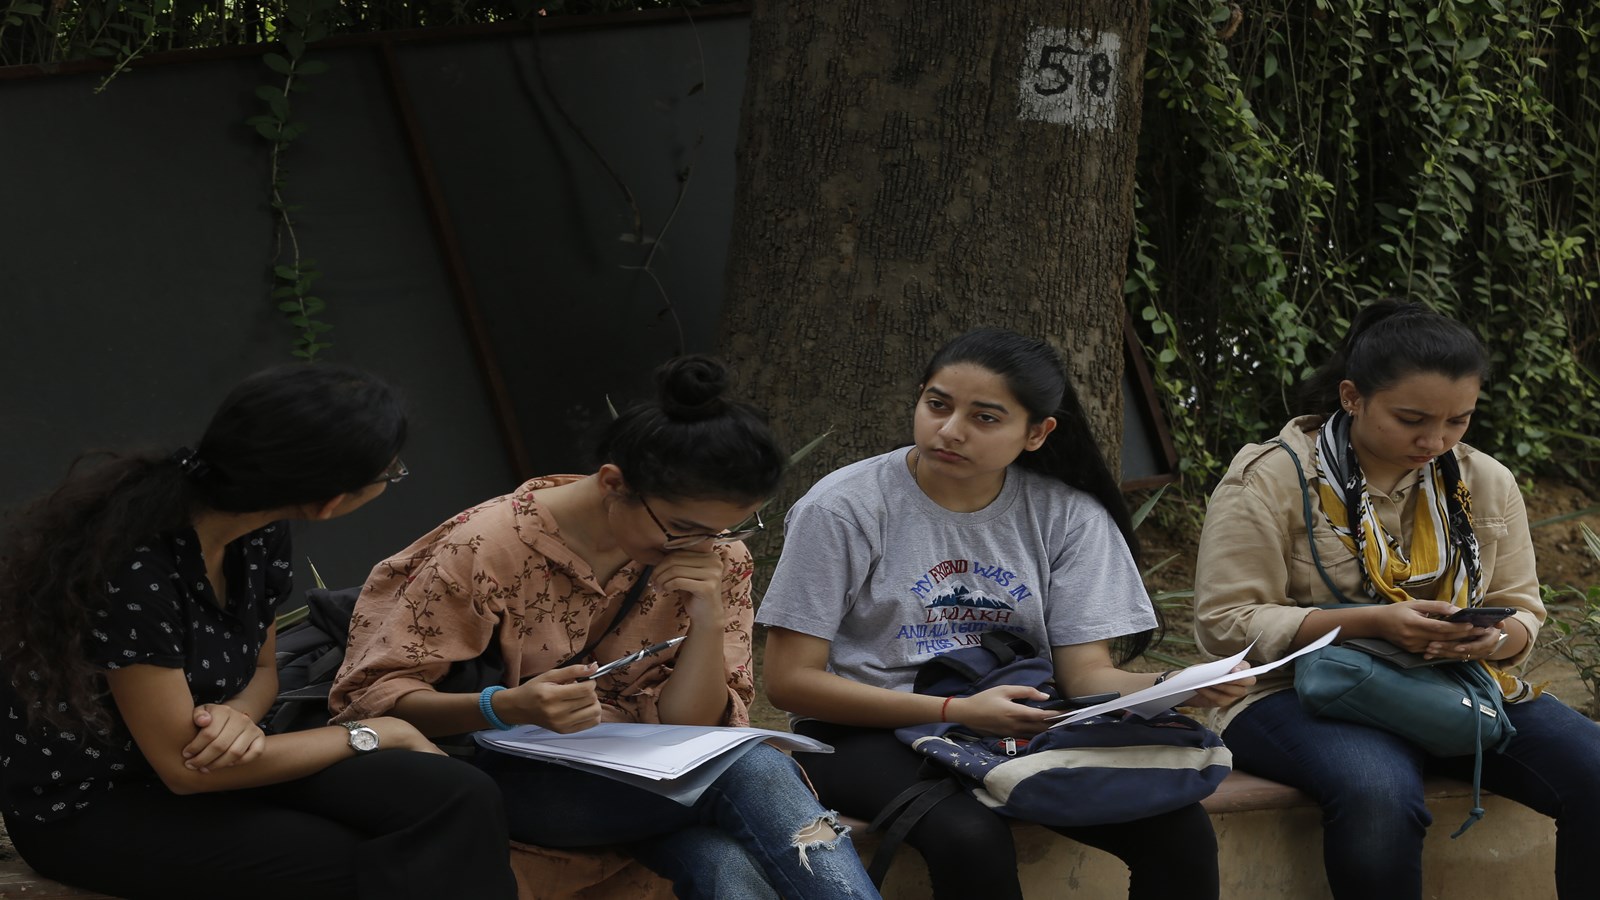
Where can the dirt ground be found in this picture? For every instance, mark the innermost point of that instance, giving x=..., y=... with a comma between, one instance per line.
x=1563, y=560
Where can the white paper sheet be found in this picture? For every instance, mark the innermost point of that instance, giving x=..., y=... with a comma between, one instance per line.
x=1183, y=684
x=650, y=751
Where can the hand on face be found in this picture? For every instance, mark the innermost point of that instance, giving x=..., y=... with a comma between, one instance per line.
x=697, y=572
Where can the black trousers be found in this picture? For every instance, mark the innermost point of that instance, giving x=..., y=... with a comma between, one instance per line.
x=968, y=847
x=390, y=825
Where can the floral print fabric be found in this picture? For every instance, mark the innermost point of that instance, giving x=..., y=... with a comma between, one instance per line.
x=500, y=575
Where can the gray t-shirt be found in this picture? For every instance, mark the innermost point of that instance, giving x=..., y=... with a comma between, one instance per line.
x=892, y=578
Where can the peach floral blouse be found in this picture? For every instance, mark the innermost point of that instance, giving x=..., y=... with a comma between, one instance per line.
x=500, y=572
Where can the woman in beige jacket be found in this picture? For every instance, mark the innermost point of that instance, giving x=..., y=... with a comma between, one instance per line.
x=1413, y=525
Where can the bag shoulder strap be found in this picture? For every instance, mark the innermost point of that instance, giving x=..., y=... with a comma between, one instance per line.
x=1006, y=646
x=902, y=814
x=1305, y=505
x=629, y=600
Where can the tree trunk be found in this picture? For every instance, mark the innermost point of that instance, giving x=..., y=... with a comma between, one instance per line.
x=910, y=169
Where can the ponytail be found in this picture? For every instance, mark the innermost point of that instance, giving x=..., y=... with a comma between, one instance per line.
x=295, y=434
x=1389, y=341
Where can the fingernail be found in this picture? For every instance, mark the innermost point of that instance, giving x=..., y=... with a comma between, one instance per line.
x=187, y=754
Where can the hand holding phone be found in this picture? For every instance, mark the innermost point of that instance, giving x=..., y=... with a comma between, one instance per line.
x=1482, y=616
x=1080, y=702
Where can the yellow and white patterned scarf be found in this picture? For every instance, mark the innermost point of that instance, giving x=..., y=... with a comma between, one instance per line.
x=1444, y=548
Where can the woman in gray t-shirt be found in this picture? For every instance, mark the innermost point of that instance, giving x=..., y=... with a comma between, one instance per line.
x=1002, y=516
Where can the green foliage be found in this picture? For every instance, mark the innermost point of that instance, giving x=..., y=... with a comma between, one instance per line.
x=1313, y=155
x=123, y=31
x=1176, y=605
x=45, y=32
x=302, y=23
x=1575, y=619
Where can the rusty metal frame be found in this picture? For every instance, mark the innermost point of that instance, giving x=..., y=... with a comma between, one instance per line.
x=449, y=244
x=1155, y=422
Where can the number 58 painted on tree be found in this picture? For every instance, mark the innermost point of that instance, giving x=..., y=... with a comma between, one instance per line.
x=1070, y=78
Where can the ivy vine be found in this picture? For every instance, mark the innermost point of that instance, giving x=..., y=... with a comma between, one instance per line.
x=1303, y=157
x=293, y=273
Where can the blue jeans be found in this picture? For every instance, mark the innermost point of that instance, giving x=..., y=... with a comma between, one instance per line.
x=757, y=832
x=1369, y=785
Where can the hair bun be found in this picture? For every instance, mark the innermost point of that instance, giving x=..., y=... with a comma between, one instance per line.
x=691, y=387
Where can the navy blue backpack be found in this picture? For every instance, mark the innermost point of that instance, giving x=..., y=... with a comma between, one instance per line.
x=1103, y=770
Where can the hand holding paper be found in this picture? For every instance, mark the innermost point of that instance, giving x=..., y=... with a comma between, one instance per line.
x=1183, y=684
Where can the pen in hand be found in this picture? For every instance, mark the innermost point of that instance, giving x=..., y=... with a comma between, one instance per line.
x=633, y=657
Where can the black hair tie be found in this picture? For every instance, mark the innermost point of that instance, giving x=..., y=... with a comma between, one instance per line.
x=190, y=462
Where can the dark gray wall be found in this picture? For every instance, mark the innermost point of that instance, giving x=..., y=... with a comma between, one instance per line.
x=534, y=172
x=135, y=239
x=132, y=293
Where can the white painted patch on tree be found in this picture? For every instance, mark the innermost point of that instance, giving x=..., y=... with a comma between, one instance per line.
x=1070, y=78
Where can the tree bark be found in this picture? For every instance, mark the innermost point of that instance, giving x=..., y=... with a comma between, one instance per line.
x=910, y=169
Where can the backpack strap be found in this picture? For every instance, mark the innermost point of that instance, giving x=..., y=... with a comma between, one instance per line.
x=902, y=814
x=1004, y=646
x=1305, y=505
x=629, y=600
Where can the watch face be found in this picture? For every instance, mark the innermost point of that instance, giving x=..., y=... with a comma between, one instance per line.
x=363, y=739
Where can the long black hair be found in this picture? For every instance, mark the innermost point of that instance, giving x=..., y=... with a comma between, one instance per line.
x=693, y=442
x=1389, y=341
x=298, y=433
x=1036, y=376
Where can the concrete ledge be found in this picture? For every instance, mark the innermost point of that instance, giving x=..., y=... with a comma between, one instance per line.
x=1269, y=839
x=17, y=881
x=1270, y=848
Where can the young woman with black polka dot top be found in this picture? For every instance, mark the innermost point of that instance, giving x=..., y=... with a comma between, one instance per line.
x=137, y=604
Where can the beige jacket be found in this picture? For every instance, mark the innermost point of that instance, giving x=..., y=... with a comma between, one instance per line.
x=1255, y=579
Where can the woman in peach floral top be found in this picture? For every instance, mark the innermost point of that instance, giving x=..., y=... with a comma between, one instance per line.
x=536, y=583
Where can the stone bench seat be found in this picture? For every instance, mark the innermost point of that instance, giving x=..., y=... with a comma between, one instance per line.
x=1270, y=847
x=18, y=882
x=1269, y=839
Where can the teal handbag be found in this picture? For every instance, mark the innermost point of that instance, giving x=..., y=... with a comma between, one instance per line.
x=1451, y=709
x=1454, y=709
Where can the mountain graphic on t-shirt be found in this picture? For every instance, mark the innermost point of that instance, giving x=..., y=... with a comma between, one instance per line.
x=960, y=596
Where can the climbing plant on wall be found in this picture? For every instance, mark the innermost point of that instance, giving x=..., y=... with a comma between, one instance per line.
x=43, y=32
x=120, y=33
x=1302, y=157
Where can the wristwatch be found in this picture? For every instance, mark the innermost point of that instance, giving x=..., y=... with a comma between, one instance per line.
x=362, y=738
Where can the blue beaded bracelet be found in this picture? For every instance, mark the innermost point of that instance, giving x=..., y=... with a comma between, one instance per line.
x=487, y=708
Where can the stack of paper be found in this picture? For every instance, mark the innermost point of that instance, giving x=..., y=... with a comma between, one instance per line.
x=677, y=761
x=1184, y=683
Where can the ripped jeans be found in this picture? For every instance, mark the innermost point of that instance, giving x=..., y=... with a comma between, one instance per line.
x=757, y=832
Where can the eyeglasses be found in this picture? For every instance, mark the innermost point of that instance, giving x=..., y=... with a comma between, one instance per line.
x=679, y=541
x=396, y=472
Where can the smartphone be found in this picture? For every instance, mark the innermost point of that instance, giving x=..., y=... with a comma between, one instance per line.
x=1482, y=616
x=1080, y=702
